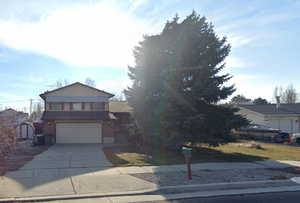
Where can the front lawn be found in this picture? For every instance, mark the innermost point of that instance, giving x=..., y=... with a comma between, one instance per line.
x=232, y=152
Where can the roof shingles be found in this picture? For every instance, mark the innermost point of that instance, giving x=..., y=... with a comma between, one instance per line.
x=270, y=109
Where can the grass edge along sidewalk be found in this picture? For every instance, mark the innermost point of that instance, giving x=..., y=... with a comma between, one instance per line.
x=245, y=151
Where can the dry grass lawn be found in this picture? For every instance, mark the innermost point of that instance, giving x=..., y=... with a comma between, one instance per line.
x=232, y=152
x=268, y=151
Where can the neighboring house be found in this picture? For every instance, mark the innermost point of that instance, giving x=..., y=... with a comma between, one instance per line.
x=121, y=110
x=16, y=117
x=123, y=114
x=285, y=117
x=78, y=113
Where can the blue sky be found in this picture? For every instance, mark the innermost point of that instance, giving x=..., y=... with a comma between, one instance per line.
x=45, y=41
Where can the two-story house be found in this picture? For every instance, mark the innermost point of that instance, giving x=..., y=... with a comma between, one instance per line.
x=77, y=113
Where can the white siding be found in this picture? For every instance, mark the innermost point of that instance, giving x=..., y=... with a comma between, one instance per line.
x=253, y=117
x=22, y=131
x=288, y=124
x=66, y=106
x=285, y=124
x=77, y=91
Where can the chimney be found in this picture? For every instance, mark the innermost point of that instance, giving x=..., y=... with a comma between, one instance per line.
x=277, y=102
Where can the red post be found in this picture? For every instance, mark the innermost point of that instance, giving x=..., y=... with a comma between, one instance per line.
x=188, y=163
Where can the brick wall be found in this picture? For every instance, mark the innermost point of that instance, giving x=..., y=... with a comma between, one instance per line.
x=108, y=132
x=8, y=137
x=49, y=128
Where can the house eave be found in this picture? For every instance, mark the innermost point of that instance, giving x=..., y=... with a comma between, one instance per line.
x=282, y=115
x=43, y=95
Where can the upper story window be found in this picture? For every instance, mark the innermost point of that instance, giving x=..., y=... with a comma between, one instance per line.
x=56, y=106
x=76, y=106
x=97, y=106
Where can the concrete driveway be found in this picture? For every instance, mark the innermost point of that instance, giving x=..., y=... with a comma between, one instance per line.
x=67, y=170
x=62, y=156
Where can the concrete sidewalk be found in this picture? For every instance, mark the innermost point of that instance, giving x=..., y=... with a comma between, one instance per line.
x=200, y=166
x=51, y=182
x=175, y=192
x=41, y=181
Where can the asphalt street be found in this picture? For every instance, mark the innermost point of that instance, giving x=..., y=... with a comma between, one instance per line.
x=283, y=197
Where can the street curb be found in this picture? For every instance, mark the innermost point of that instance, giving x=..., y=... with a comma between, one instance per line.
x=74, y=196
x=216, y=193
x=140, y=193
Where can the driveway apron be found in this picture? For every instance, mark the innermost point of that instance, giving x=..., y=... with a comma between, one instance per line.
x=70, y=156
x=67, y=170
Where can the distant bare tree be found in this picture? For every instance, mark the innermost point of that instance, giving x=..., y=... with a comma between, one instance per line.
x=289, y=95
x=58, y=84
x=37, y=111
x=66, y=82
x=90, y=82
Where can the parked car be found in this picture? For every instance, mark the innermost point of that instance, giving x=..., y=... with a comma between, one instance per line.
x=281, y=137
x=256, y=132
x=259, y=128
x=295, y=138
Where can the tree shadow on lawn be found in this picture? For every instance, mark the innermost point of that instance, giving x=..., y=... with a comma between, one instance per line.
x=201, y=155
x=128, y=156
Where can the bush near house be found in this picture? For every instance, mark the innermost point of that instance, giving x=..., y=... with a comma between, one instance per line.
x=7, y=137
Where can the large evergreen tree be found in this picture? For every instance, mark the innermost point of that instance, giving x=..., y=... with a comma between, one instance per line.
x=177, y=84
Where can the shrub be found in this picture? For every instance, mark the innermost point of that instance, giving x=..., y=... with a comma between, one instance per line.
x=7, y=137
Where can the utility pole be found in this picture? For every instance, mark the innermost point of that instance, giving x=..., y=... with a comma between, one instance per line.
x=30, y=107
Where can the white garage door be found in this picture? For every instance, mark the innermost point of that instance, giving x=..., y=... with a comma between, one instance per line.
x=78, y=133
x=285, y=125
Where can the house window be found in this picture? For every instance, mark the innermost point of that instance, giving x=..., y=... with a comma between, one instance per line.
x=97, y=106
x=77, y=107
x=56, y=106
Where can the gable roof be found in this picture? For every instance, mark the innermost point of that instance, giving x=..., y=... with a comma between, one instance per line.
x=12, y=110
x=9, y=109
x=270, y=109
x=76, y=83
x=120, y=107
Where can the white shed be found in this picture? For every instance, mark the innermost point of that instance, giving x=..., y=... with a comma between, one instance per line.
x=25, y=130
